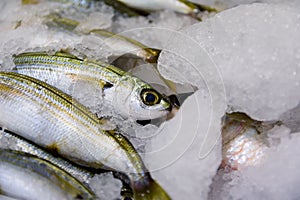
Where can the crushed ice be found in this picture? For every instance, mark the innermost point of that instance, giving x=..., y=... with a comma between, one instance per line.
x=246, y=59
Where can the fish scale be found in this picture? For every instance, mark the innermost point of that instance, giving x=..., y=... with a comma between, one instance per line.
x=120, y=90
x=69, y=127
x=70, y=114
x=45, y=178
x=21, y=144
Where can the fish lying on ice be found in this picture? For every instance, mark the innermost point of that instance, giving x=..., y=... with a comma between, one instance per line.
x=18, y=143
x=142, y=7
x=119, y=44
x=244, y=140
x=124, y=45
x=180, y=6
x=52, y=119
x=24, y=176
x=12, y=141
x=126, y=94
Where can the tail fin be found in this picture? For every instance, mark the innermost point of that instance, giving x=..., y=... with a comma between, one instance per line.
x=153, y=192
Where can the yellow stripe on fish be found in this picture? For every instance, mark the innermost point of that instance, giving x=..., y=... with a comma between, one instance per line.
x=48, y=117
x=180, y=6
x=23, y=145
x=121, y=91
x=24, y=176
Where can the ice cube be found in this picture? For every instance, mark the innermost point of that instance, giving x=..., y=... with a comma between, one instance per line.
x=185, y=152
x=250, y=49
x=106, y=187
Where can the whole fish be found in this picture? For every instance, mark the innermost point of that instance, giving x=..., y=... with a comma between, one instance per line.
x=180, y=6
x=24, y=176
x=52, y=119
x=88, y=4
x=134, y=8
x=124, y=45
x=12, y=141
x=119, y=44
x=126, y=94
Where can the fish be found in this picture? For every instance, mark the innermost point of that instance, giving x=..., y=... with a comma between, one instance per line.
x=52, y=119
x=12, y=141
x=244, y=140
x=119, y=44
x=28, y=2
x=24, y=176
x=17, y=143
x=135, y=8
x=180, y=6
x=124, y=45
x=93, y=4
x=124, y=9
x=127, y=95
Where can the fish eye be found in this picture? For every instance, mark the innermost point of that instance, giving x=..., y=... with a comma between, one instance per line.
x=150, y=97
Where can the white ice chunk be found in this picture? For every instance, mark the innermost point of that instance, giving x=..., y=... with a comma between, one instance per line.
x=23, y=29
x=154, y=30
x=106, y=187
x=291, y=119
x=96, y=20
x=185, y=153
x=276, y=178
x=250, y=49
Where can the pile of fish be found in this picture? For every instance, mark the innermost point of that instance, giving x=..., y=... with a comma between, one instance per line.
x=60, y=144
x=58, y=123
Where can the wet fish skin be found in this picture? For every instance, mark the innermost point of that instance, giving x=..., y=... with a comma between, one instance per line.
x=23, y=145
x=19, y=169
x=244, y=140
x=180, y=6
x=124, y=9
x=134, y=8
x=123, y=92
x=118, y=43
x=123, y=45
x=51, y=118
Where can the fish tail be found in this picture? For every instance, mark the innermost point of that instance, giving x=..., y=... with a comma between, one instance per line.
x=153, y=191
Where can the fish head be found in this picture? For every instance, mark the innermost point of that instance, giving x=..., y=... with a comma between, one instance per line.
x=142, y=101
x=152, y=104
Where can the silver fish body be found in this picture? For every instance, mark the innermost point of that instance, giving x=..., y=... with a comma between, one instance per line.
x=118, y=44
x=175, y=5
x=24, y=176
x=127, y=95
x=124, y=45
x=52, y=119
x=245, y=141
x=180, y=6
x=12, y=141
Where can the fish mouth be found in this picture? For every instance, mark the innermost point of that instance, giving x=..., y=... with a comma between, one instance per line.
x=174, y=101
x=173, y=107
x=166, y=104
